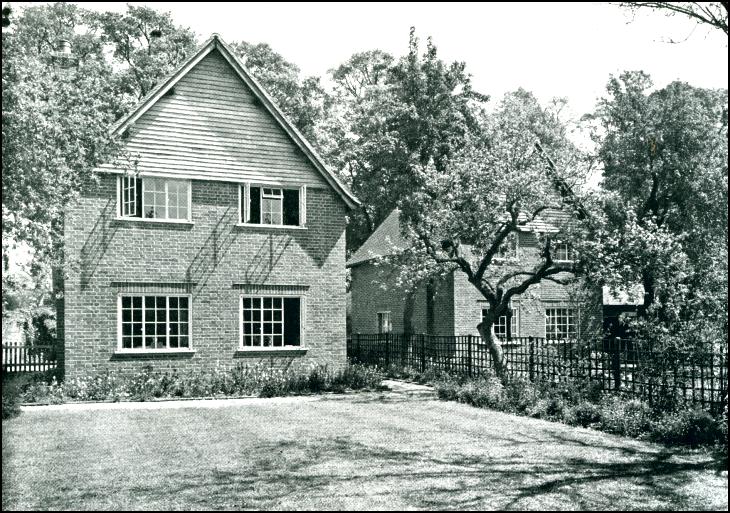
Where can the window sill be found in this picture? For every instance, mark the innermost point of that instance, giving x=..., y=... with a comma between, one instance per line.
x=154, y=221
x=153, y=352
x=270, y=226
x=270, y=351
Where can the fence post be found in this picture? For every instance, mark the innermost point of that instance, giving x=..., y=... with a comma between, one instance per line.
x=468, y=355
x=532, y=360
x=423, y=352
x=387, y=349
x=616, y=364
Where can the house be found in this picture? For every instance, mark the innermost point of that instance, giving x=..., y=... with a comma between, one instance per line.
x=451, y=306
x=217, y=239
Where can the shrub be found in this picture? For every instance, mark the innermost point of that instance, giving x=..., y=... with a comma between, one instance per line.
x=686, y=427
x=625, y=417
x=11, y=400
x=520, y=395
x=585, y=414
x=550, y=408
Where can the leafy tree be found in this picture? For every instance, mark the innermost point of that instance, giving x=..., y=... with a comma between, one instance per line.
x=147, y=46
x=397, y=116
x=461, y=217
x=664, y=155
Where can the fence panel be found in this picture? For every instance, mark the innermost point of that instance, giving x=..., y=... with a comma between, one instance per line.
x=28, y=358
x=629, y=367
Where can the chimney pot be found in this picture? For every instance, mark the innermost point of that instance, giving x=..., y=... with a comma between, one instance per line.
x=64, y=46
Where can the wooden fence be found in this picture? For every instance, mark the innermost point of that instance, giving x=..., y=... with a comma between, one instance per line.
x=29, y=358
x=627, y=366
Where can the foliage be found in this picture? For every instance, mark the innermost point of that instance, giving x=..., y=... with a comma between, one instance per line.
x=148, y=384
x=712, y=14
x=581, y=403
x=395, y=115
x=664, y=155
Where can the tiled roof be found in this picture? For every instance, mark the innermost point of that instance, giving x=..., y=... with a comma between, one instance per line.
x=385, y=240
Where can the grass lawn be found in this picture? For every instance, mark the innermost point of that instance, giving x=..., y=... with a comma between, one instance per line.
x=390, y=450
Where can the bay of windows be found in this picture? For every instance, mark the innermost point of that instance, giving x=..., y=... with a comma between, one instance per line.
x=560, y=324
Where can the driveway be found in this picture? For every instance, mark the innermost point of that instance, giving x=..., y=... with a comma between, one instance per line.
x=402, y=449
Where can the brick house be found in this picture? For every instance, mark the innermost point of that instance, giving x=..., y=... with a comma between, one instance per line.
x=218, y=238
x=451, y=306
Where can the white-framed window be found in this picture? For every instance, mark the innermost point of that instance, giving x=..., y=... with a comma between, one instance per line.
x=561, y=323
x=154, y=322
x=155, y=198
x=271, y=321
x=273, y=205
x=384, y=324
x=500, y=325
x=563, y=252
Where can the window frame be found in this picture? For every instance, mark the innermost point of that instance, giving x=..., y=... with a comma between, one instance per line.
x=244, y=198
x=302, y=323
x=378, y=324
x=570, y=252
x=121, y=349
x=576, y=321
x=516, y=316
x=141, y=217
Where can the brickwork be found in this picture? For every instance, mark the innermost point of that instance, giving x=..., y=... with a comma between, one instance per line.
x=213, y=259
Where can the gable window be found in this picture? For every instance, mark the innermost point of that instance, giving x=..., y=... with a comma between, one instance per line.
x=563, y=252
x=273, y=206
x=384, y=325
x=271, y=321
x=155, y=198
x=560, y=323
x=154, y=322
x=501, y=324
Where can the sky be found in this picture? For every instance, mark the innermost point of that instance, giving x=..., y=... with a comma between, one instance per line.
x=552, y=49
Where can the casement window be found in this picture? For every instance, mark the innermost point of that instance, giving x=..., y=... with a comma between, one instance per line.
x=563, y=252
x=154, y=198
x=271, y=322
x=500, y=325
x=274, y=206
x=384, y=324
x=561, y=323
x=154, y=322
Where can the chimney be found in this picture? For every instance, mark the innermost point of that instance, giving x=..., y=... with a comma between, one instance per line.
x=62, y=57
x=64, y=47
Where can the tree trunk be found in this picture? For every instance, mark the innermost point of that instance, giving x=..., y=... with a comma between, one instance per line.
x=495, y=348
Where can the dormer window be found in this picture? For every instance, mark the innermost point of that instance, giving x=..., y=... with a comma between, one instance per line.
x=563, y=252
x=154, y=198
x=273, y=206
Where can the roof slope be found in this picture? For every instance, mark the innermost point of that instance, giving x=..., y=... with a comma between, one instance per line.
x=216, y=43
x=386, y=240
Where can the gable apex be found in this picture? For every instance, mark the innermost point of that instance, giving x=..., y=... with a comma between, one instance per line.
x=266, y=102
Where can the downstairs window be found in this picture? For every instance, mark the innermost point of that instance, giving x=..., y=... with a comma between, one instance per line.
x=271, y=321
x=154, y=322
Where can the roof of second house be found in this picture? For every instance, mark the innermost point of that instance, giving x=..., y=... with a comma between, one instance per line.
x=387, y=239
x=216, y=43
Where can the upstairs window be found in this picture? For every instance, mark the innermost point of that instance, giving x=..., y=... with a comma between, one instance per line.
x=274, y=206
x=155, y=198
x=563, y=252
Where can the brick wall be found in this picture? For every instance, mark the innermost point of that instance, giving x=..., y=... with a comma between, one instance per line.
x=213, y=260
